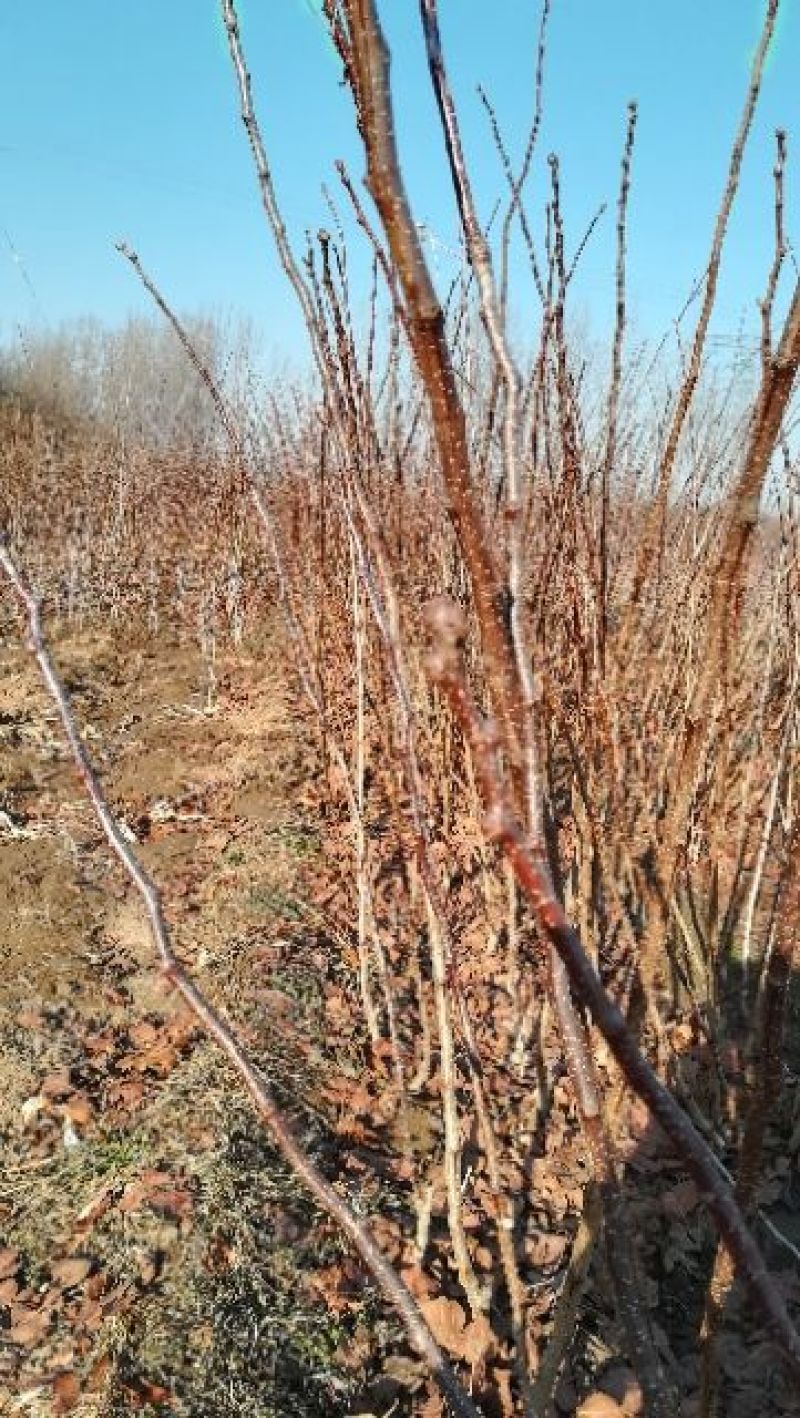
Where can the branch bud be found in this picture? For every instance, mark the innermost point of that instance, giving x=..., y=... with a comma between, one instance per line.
x=446, y=621
x=491, y=734
x=438, y=664
x=496, y=822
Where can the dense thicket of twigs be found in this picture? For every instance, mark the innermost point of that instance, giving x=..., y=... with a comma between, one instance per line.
x=572, y=822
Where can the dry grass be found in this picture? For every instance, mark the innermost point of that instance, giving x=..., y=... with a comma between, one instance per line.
x=215, y=818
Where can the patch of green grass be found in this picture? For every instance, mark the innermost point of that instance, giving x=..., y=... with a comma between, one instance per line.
x=300, y=840
x=116, y=1153
x=274, y=901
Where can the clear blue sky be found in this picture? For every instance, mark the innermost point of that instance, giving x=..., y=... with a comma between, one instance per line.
x=119, y=120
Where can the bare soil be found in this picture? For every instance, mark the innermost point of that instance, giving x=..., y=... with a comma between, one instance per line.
x=154, y=1255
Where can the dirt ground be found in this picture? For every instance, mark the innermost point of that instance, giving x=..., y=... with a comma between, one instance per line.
x=154, y=1255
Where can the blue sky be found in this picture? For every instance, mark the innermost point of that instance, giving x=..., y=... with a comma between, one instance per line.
x=119, y=120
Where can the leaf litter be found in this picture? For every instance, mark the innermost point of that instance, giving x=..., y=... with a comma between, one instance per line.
x=142, y=1196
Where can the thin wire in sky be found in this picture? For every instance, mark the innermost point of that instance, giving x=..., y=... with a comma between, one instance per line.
x=22, y=270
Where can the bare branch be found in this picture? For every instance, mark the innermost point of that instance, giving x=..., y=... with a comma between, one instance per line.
x=693, y=368
x=368, y=72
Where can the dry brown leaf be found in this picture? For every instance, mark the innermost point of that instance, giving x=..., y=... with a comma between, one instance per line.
x=182, y=1029
x=277, y=1002
x=56, y=1085
x=52, y=1299
x=599, y=1405
x=633, y=1402
x=66, y=1392
x=71, y=1271
x=499, y=1394
x=28, y=1327
x=338, y=1283
x=100, y=1045
x=9, y=1290
x=98, y=1374
x=143, y=1034
x=9, y=1262
x=433, y=1407
x=160, y=1058
x=146, y=1393
x=95, y=1285
x=62, y=1360
x=30, y=1019
x=159, y=1191
x=477, y=1341
x=389, y=1236
x=118, y=1299
x=90, y=1316
x=447, y=1323
x=127, y=1093
x=138, y=1192
x=415, y=1280
x=383, y=1051
x=78, y=1109
x=171, y=1201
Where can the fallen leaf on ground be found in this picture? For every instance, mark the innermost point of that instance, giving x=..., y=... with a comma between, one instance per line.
x=28, y=1328
x=9, y=1262
x=56, y=1085
x=158, y=1190
x=415, y=1279
x=66, y=1392
x=447, y=1323
x=78, y=1109
x=98, y=1374
x=477, y=1340
x=145, y=1393
x=599, y=1405
x=71, y=1271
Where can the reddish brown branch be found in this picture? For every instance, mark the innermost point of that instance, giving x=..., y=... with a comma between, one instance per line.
x=779, y=254
x=367, y=61
x=616, y=374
